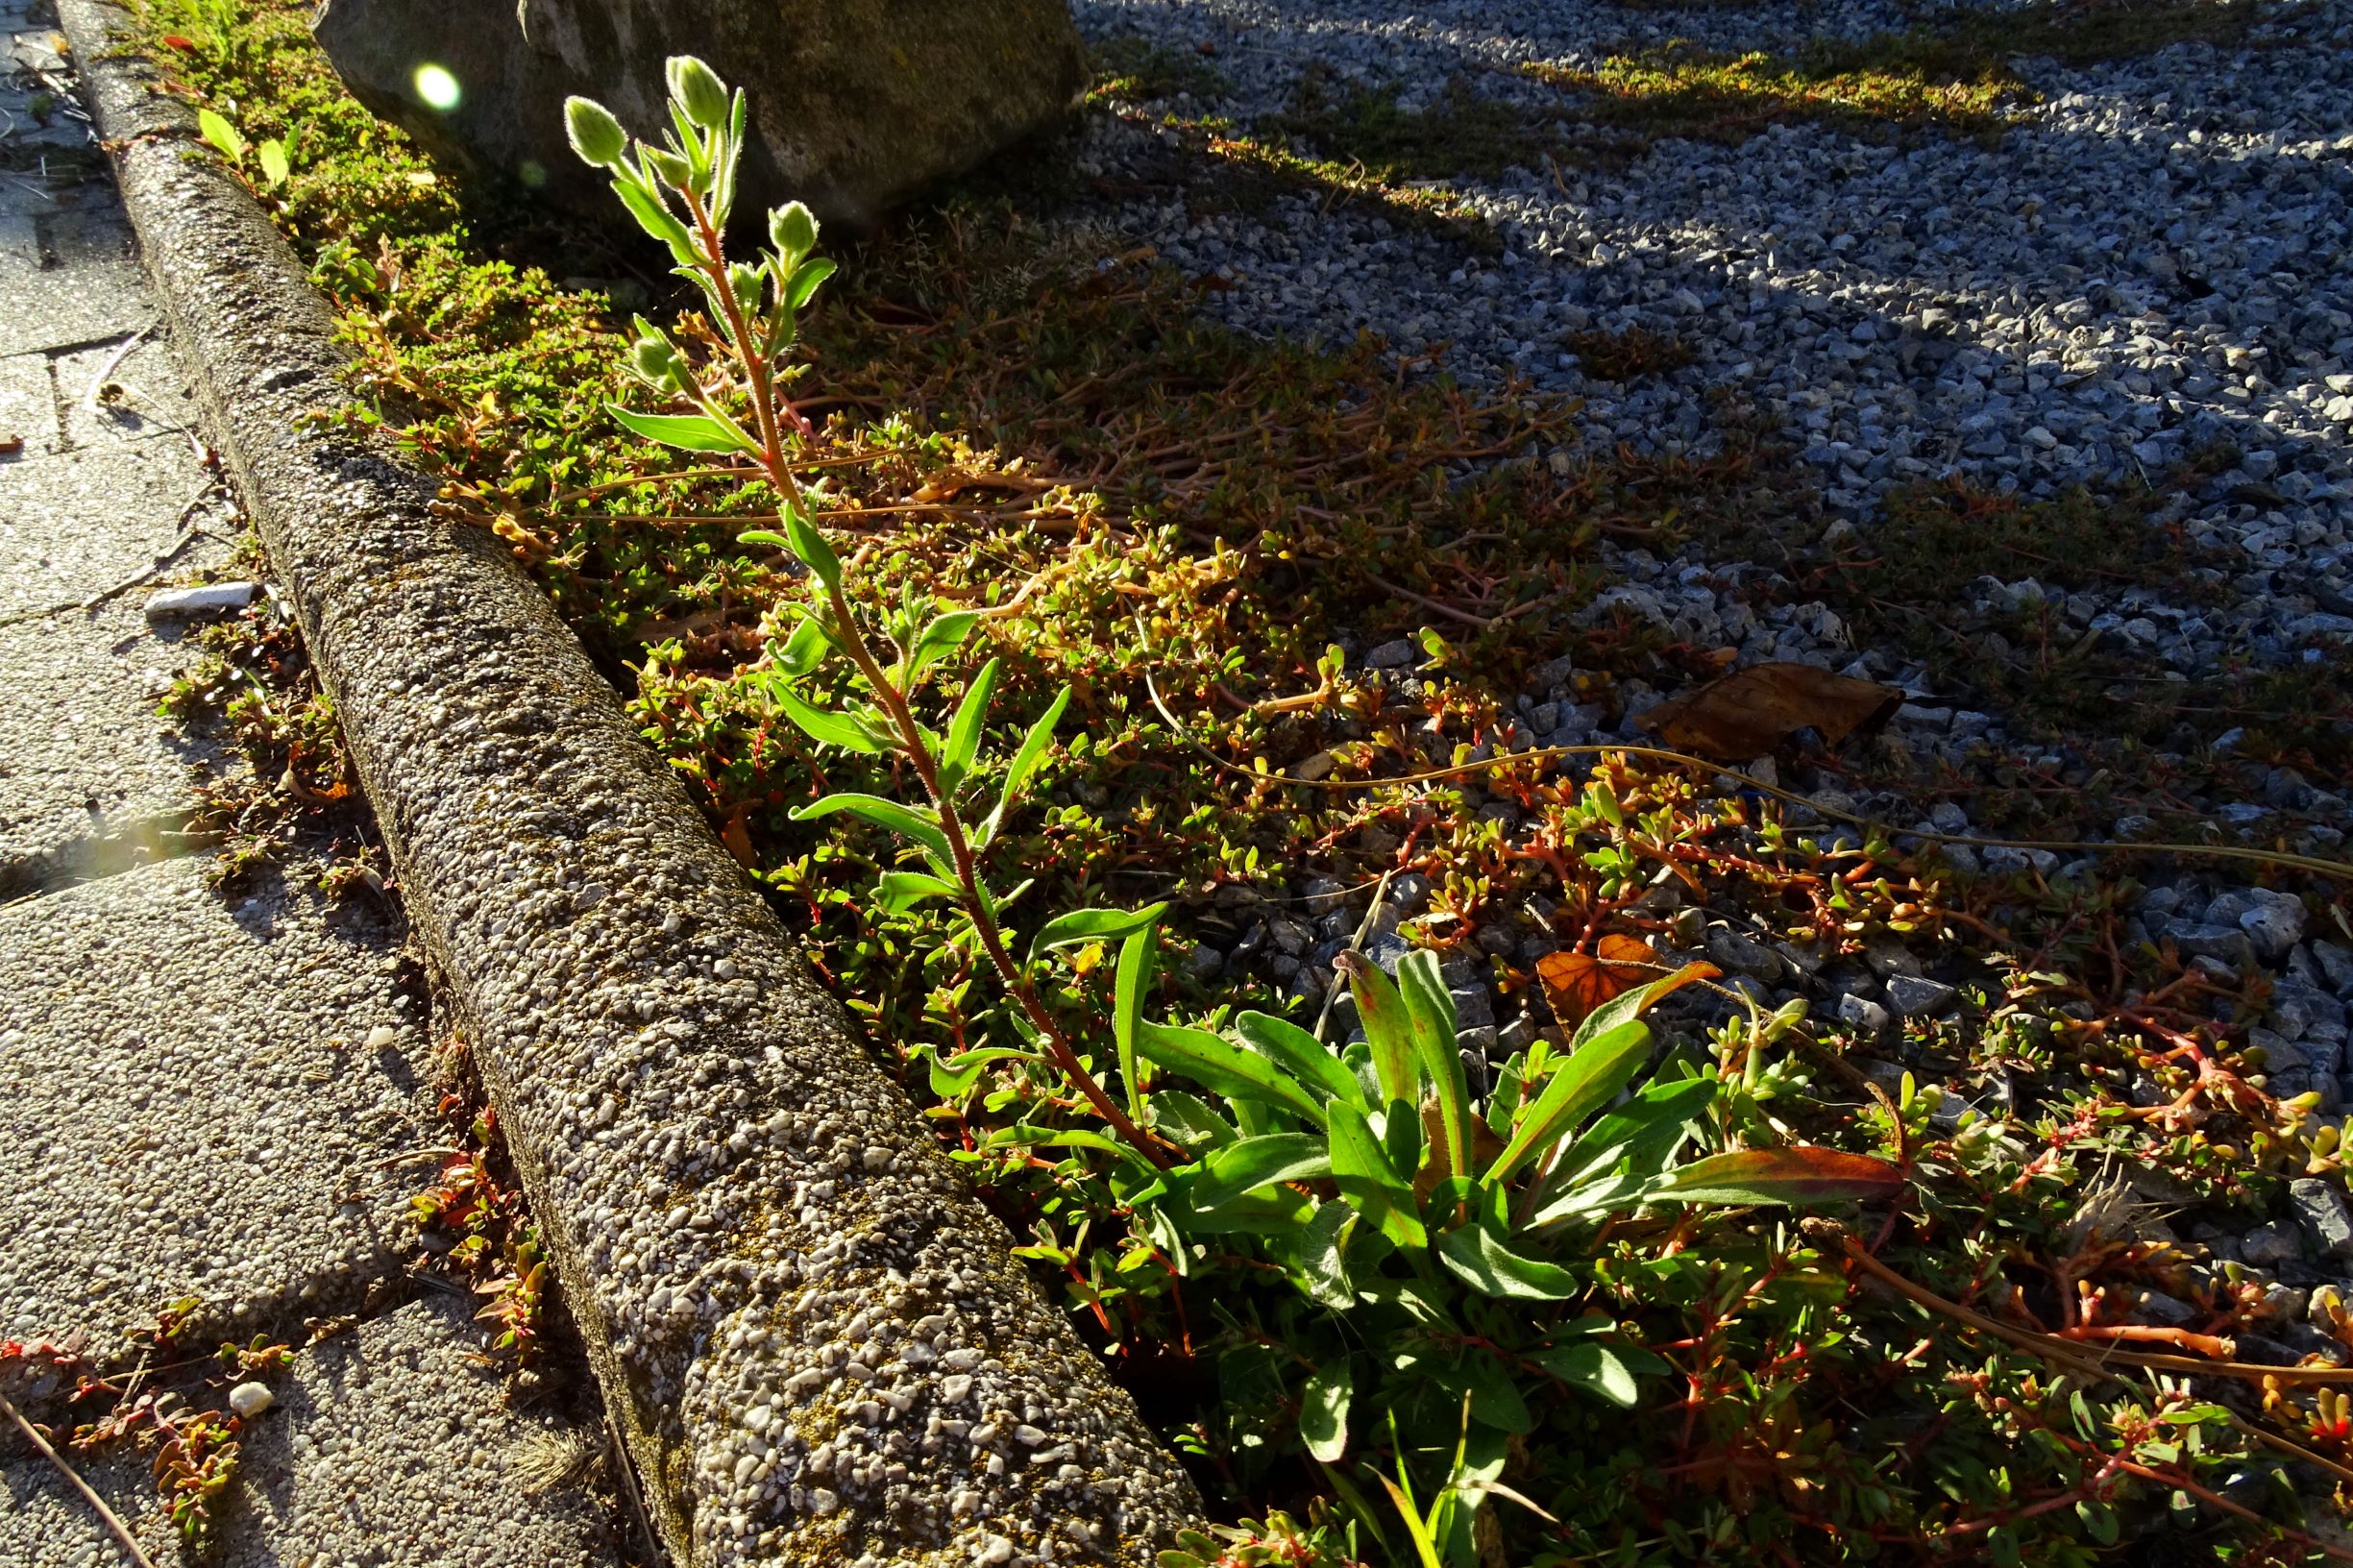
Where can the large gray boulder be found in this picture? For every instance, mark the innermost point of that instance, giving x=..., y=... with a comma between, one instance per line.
x=856, y=104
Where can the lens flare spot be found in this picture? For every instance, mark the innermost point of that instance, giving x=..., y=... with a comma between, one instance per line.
x=437, y=88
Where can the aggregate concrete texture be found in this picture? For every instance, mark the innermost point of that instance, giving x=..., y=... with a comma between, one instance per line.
x=195, y=1109
x=45, y=1524
x=209, y=1096
x=390, y=1445
x=101, y=485
x=396, y=1446
x=90, y=776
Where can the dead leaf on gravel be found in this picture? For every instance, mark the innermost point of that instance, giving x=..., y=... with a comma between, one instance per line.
x=1578, y=983
x=1750, y=712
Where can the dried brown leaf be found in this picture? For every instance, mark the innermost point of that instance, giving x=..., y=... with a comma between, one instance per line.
x=1750, y=712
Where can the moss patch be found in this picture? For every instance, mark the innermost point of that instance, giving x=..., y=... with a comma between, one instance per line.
x=1951, y=71
x=1463, y=133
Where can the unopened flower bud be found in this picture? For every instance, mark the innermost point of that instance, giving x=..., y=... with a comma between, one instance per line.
x=745, y=279
x=594, y=134
x=792, y=230
x=655, y=359
x=698, y=91
x=669, y=168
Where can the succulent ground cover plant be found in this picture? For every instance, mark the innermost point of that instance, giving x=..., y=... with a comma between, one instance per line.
x=1015, y=420
x=1369, y=1178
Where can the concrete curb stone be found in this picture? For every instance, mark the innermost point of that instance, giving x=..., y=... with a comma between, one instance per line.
x=812, y=1336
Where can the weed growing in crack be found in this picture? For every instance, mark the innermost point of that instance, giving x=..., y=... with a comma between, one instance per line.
x=473, y=1218
x=252, y=682
x=195, y=1442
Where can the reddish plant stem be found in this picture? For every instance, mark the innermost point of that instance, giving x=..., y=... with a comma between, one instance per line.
x=773, y=459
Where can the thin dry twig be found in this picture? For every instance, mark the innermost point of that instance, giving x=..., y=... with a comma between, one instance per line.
x=122, y=351
x=122, y=1531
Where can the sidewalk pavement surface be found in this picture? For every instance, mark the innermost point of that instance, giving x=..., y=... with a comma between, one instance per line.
x=209, y=1096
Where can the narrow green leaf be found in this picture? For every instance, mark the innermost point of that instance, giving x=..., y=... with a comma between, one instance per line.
x=1795, y=1176
x=954, y=1077
x=1017, y=772
x=690, y=432
x=1576, y=1087
x=1387, y=1028
x=964, y=730
x=1323, y=1413
x=1425, y=1549
x=897, y=892
x=1094, y=925
x=1205, y=1209
x=216, y=130
x=1301, y=1055
x=806, y=649
x=942, y=637
x=1401, y=1134
x=1253, y=1162
x=1641, y=1136
x=1210, y=1061
x=656, y=219
x=1430, y=1013
x=809, y=544
x=1494, y=1269
x=1023, y=1135
x=1360, y=1169
x=1139, y=956
x=921, y=827
x=1633, y=1004
x=272, y=155
x=828, y=727
x=805, y=279
x=1360, y=1164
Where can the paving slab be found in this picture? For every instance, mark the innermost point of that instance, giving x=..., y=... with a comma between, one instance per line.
x=399, y=1443
x=90, y=772
x=194, y=1106
x=45, y=1523
x=82, y=522
x=46, y=238
x=28, y=408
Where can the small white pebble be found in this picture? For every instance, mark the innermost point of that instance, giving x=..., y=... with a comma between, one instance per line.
x=249, y=1399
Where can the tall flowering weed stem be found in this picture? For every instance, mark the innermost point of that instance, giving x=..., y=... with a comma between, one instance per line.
x=681, y=192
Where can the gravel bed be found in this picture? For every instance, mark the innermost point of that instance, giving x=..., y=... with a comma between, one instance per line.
x=2148, y=264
